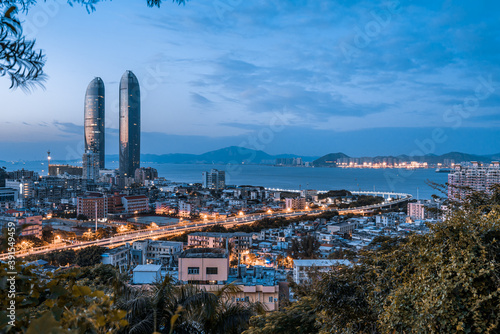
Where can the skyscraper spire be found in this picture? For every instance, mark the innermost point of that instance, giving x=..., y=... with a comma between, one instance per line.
x=130, y=125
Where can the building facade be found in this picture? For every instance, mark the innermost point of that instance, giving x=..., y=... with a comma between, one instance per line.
x=94, y=120
x=130, y=125
x=90, y=162
x=472, y=177
x=92, y=207
x=295, y=203
x=135, y=204
x=214, y=179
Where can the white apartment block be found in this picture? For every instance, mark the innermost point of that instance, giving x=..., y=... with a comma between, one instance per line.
x=476, y=176
x=135, y=204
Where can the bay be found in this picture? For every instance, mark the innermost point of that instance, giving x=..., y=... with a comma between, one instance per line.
x=365, y=179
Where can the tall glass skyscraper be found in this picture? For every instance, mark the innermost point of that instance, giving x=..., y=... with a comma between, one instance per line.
x=130, y=125
x=94, y=119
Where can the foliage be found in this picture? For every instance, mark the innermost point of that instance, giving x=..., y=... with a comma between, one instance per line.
x=335, y=193
x=89, y=256
x=184, y=309
x=442, y=282
x=300, y=318
x=306, y=247
x=19, y=58
x=56, y=304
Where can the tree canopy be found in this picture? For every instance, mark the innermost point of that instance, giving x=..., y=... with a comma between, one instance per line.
x=445, y=281
x=20, y=60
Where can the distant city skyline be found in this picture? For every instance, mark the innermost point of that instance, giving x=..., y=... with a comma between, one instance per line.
x=299, y=77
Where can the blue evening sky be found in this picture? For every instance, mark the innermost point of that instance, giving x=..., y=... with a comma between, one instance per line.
x=304, y=77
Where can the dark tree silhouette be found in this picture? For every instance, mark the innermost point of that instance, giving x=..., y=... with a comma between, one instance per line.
x=20, y=60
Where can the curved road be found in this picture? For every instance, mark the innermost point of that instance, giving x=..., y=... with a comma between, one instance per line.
x=129, y=237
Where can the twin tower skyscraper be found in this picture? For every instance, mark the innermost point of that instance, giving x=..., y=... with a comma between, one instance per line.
x=129, y=124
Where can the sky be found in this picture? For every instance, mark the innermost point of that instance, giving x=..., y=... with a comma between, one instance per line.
x=305, y=77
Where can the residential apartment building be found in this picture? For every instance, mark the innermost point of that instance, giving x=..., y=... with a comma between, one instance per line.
x=295, y=203
x=135, y=204
x=92, y=207
x=32, y=226
x=238, y=240
x=24, y=187
x=155, y=252
x=118, y=257
x=342, y=227
x=209, y=269
x=416, y=210
x=473, y=177
x=214, y=179
x=185, y=209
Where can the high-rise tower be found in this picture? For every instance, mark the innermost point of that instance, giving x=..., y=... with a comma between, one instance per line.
x=94, y=119
x=130, y=125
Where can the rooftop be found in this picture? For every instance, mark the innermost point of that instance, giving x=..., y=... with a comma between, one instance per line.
x=147, y=268
x=320, y=263
x=204, y=253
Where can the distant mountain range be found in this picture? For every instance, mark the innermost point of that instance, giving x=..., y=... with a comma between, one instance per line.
x=228, y=155
x=330, y=160
x=240, y=155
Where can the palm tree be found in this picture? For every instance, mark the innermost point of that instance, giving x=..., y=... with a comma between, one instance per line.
x=185, y=309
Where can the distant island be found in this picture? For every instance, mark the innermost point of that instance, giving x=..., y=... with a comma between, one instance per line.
x=241, y=155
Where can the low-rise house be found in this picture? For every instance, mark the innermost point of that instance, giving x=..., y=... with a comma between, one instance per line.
x=146, y=274
x=209, y=269
x=117, y=257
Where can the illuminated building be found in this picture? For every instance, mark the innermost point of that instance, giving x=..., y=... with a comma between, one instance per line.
x=130, y=125
x=94, y=119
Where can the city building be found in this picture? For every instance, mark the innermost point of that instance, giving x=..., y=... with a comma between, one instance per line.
x=135, y=204
x=25, y=188
x=32, y=226
x=303, y=268
x=8, y=196
x=343, y=227
x=90, y=162
x=185, y=209
x=204, y=266
x=94, y=120
x=387, y=220
x=130, y=125
x=144, y=174
x=118, y=257
x=238, y=240
x=214, y=179
x=155, y=252
x=92, y=207
x=295, y=203
x=22, y=174
x=209, y=269
x=472, y=177
x=416, y=210
x=60, y=170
